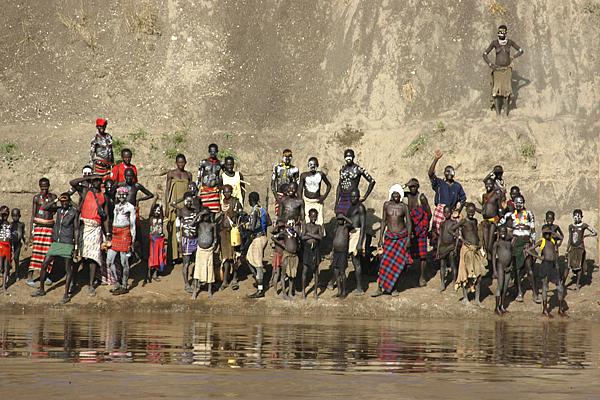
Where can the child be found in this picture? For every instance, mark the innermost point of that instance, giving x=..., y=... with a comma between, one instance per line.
x=207, y=240
x=231, y=209
x=557, y=233
x=502, y=264
x=446, y=250
x=287, y=240
x=341, y=245
x=472, y=262
x=277, y=255
x=312, y=234
x=157, y=255
x=5, y=247
x=118, y=171
x=17, y=229
x=187, y=224
x=257, y=226
x=549, y=257
x=576, y=246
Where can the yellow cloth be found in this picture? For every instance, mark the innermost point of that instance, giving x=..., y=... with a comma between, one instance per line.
x=543, y=244
x=204, y=270
x=310, y=204
x=353, y=244
x=256, y=251
x=502, y=78
x=290, y=263
x=471, y=266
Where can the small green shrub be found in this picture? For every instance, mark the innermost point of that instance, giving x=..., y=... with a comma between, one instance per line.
x=417, y=144
x=528, y=150
x=117, y=146
x=138, y=134
x=349, y=135
x=171, y=153
x=440, y=127
x=227, y=153
x=8, y=148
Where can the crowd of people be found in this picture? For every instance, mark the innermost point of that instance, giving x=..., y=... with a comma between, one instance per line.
x=96, y=224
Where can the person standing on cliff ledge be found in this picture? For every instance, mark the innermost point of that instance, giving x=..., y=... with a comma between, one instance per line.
x=501, y=68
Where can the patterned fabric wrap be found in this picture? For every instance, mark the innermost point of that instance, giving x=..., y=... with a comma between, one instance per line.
x=102, y=167
x=42, y=240
x=92, y=240
x=343, y=204
x=394, y=260
x=157, y=257
x=5, y=251
x=418, y=243
x=121, y=240
x=188, y=245
x=438, y=217
x=210, y=198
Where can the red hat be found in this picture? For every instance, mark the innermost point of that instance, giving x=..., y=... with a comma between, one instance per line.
x=101, y=122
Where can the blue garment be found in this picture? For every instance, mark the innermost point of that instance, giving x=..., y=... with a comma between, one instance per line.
x=448, y=194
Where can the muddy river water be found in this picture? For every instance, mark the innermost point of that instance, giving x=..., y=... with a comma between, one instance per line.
x=192, y=356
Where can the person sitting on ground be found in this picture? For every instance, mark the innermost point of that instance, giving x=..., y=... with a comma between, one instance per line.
x=5, y=247
x=257, y=225
x=118, y=171
x=420, y=215
x=204, y=272
x=576, y=254
x=502, y=261
x=101, y=150
x=447, y=249
x=549, y=257
x=18, y=239
x=394, y=241
x=501, y=68
x=471, y=266
x=312, y=234
x=123, y=234
x=448, y=192
x=64, y=242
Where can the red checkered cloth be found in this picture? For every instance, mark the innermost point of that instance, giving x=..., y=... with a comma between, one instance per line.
x=210, y=198
x=418, y=242
x=121, y=239
x=42, y=240
x=438, y=217
x=394, y=259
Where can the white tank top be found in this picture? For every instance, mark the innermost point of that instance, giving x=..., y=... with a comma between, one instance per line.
x=235, y=182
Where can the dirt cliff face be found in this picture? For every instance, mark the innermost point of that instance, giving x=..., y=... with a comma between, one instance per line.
x=260, y=75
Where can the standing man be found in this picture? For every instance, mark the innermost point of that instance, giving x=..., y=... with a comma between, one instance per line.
x=394, y=239
x=521, y=223
x=210, y=180
x=420, y=215
x=310, y=189
x=101, y=150
x=350, y=175
x=94, y=215
x=64, y=244
x=448, y=192
x=501, y=68
x=42, y=222
x=491, y=206
x=234, y=179
x=284, y=173
x=178, y=180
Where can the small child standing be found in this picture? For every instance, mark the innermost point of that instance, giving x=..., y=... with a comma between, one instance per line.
x=204, y=271
x=549, y=257
x=5, y=246
x=576, y=246
x=17, y=240
x=157, y=254
x=341, y=245
x=312, y=234
x=288, y=242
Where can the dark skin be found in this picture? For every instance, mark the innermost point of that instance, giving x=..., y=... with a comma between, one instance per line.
x=279, y=226
x=341, y=239
x=357, y=214
x=467, y=229
x=64, y=204
x=188, y=210
x=354, y=181
x=178, y=173
x=192, y=187
x=577, y=235
x=312, y=234
x=18, y=229
x=303, y=190
x=292, y=207
x=42, y=197
x=207, y=238
x=502, y=259
x=229, y=170
x=210, y=168
x=288, y=241
x=134, y=188
x=5, y=262
x=415, y=200
x=93, y=183
x=447, y=229
x=490, y=208
x=448, y=176
x=230, y=266
x=549, y=254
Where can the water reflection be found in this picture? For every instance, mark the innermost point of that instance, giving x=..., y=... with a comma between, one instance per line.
x=377, y=346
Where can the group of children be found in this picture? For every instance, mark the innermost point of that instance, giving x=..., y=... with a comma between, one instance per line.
x=204, y=220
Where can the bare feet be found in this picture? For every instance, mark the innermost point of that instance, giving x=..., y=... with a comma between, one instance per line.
x=422, y=282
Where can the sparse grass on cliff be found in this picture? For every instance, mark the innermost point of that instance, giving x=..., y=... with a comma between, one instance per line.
x=349, y=136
